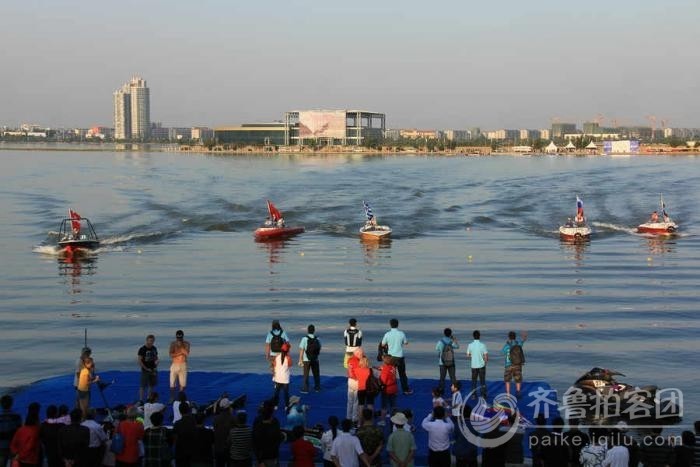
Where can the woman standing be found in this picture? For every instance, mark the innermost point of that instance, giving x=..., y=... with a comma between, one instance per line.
x=282, y=370
x=26, y=444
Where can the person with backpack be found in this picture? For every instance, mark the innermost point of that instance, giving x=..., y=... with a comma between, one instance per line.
x=309, y=350
x=514, y=361
x=353, y=340
x=446, y=357
x=273, y=342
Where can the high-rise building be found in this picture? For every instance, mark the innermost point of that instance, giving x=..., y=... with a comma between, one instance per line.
x=132, y=110
x=140, y=109
x=561, y=129
x=122, y=113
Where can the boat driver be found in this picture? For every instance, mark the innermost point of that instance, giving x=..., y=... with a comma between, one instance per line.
x=654, y=217
x=280, y=222
x=76, y=234
x=579, y=218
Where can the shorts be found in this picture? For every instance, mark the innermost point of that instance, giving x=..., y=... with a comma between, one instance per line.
x=178, y=372
x=149, y=378
x=365, y=399
x=513, y=372
x=83, y=395
x=388, y=402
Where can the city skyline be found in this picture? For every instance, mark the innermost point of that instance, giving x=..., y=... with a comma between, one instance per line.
x=452, y=65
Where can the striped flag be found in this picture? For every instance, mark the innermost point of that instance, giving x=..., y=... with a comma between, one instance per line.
x=368, y=210
x=579, y=205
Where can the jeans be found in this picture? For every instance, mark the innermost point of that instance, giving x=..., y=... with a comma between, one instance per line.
x=443, y=372
x=400, y=364
x=284, y=388
x=481, y=374
x=315, y=369
x=351, y=412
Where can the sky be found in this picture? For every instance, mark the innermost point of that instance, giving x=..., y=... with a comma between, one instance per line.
x=441, y=64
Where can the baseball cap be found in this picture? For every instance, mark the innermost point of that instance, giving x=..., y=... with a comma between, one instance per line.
x=179, y=333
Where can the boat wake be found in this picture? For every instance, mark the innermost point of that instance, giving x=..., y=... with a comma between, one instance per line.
x=606, y=226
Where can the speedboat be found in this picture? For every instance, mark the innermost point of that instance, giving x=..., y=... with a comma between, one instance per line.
x=576, y=230
x=654, y=227
x=274, y=227
x=77, y=235
x=372, y=230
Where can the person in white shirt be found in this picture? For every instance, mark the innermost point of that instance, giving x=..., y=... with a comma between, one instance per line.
x=98, y=438
x=439, y=431
x=618, y=455
x=457, y=401
x=346, y=450
x=151, y=407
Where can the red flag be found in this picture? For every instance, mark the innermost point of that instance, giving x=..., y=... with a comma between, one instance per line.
x=275, y=215
x=75, y=220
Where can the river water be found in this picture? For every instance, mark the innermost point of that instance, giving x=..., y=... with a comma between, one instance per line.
x=474, y=247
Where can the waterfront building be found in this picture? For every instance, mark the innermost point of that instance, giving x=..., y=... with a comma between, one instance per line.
x=140, y=109
x=500, y=135
x=474, y=133
x=122, y=113
x=456, y=135
x=393, y=134
x=414, y=133
x=252, y=134
x=158, y=132
x=201, y=133
x=591, y=128
x=560, y=129
x=180, y=134
x=333, y=127
x=545, y=134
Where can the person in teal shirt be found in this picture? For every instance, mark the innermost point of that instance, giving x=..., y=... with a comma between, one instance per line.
x=513, y=371
x=479, y=356
x=310, y=362
x=395, y=340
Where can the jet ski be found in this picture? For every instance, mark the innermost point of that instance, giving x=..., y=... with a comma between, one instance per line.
x=598, y=391
x=77, y=235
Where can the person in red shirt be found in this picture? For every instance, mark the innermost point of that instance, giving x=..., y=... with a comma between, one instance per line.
x=132, y=432
x=388, y=378
x=303, y=451
x=25, y=444
x=353, y=363
x=365, y=399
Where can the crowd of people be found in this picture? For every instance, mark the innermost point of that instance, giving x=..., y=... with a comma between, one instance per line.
x=373, y=431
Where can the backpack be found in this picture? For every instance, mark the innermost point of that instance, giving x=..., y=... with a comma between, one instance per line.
x=352, y=339
x=313, y=348
x=517, y=356
x=276, y=342
x=117, y=443
x=382, y=349
x=448, y=355
x=374, y=385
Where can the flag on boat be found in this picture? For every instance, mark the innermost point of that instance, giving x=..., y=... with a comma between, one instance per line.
x=663, y=208
x=275, y=214
x=579, y=206
x=75, y=220
x=368, y=210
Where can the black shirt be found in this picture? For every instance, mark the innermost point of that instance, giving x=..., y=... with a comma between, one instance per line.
x=185, y=431
x=149, y=356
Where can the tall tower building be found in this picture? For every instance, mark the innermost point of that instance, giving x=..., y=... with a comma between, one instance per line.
x=122, y=113
x=140, y=109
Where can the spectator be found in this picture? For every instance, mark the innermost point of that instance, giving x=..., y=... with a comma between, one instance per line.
x=240, y=441
x=657, y=451
x=10, y=422
x=684, y=452
x=617, y=455
x=274, y=340
x=514, y=360
x=152, y=406
x=73, y=441
x=282, y=365
x=514, y=455
x=25, y=445
x=465, y=451
x=157, y=442
x=223, y=423
x=446, y=357
x=86, y=378
x=309, y=349
x=536, y=441
x=575, y=439
x=390, y=388
x=352, y=408
x=48, y=433
x=347, y=450
x=401, y=445
x=267, y=438
x=365, y=398
x=131, y=432
x=696, y=460
x=457, y=401
x=593, y=454
x=181, y=399
x=371, y=438
x=203, y=453
x=179, y=352
x=303, y=451
x=439, y=431
x=109, y=458
x=437, y=398
x=353, y=340
x=86, y=352
x=98, y=438
x=327, y=440
x=148, y=362
x=554, y=452
x=296, y=413
x=479, y=356
x=185, y=437
x=395, y=340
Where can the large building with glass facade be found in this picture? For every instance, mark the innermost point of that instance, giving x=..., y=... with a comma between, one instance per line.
x=333, y=127
x=251, y=134
x=132, y=110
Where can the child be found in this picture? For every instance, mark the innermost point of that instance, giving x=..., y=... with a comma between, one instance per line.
x=457, y=400
x=438, y=401
x=85, y=379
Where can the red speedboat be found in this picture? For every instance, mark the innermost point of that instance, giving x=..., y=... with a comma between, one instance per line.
x=274, y=227
x=656, y=226
x=76, y=235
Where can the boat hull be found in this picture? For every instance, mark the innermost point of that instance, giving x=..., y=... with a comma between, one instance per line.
x=378, y=232
x=72, y=247
x=658, y=228
x=575, y=234
x=272, y=233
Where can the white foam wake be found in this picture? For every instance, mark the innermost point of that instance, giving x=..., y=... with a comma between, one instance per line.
x=615, y=227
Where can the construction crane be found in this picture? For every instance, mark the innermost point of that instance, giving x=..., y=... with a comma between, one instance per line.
x=652, y=120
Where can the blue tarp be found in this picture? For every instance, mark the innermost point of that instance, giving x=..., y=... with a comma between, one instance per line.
x=204, y=387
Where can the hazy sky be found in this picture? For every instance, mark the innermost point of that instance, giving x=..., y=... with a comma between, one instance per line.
x=440, y=64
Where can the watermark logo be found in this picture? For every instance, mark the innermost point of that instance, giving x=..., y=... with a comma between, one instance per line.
x=482, y=427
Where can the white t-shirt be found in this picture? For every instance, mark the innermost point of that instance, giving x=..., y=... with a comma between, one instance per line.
x=282, y=370
x=618, y=456
x=151, y=408
x=346, y=448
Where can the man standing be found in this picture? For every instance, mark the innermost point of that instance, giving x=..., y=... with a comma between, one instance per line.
x=346, y=450
x=371, y=438
x=395, y=340
x=85, y=353
x=98, y=438
x=401, y=445
x=439, y=430
x=515, y=358
x=185, y=435
x=73, y=441
x=179, y=351
x=148, y=361
x=479, y=357
x=446, y=357
x=9, y=424
x=353, y=340
x=309, y=350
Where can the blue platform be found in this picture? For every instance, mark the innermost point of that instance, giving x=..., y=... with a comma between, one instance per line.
x=204, y=387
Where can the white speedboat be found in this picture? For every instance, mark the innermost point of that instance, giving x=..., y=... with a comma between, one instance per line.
x=576, y=230
x=375, y=232
x=654, y=227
